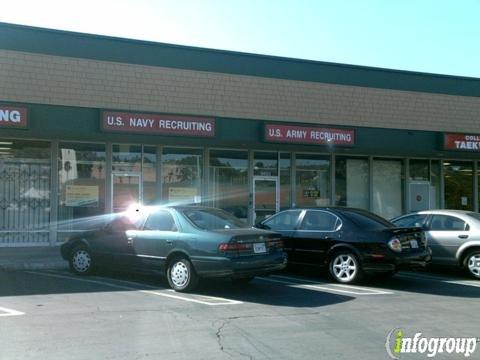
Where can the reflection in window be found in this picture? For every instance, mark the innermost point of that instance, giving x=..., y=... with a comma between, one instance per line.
x=181, y=175
x=149, y=174
x=127, y=158
x=228, y=185
x=387, y=187
x=285, y=180
x=265, y=163
x=25, y=170
x=81, y=177
x=351, y=182
x=458, y=185
x=312, y=180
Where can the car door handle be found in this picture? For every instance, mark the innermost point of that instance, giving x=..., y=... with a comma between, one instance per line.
x=169, y=242
x=463, y=236
x=130, y=241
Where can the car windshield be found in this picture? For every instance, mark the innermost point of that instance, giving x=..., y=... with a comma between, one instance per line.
x=367, y=221
x=213, y=219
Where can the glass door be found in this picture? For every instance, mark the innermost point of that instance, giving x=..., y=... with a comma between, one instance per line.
x=265, y=197
x=126, y=190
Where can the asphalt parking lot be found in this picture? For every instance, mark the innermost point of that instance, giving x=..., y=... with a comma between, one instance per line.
x=300, y=315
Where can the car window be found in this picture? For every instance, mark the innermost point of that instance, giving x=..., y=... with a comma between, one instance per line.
x=416, y=220
x=286, y=220
x=367, y=220
x=160, y=220
x=213, y=219
x=318, y=221
x=448, y=223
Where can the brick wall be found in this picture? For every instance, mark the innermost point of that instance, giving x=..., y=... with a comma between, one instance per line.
x=36, y=78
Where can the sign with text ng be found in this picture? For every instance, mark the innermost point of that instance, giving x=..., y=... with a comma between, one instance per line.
x=465, y=142
x=309, y=135
x=15, y=117
x=158, y=124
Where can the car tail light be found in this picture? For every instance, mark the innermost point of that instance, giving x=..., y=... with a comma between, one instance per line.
x=228, y=247
x=395, y=245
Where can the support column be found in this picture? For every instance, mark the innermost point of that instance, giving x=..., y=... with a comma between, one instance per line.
x=54, y=193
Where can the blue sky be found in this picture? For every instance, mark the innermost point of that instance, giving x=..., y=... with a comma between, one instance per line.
x=421, y=35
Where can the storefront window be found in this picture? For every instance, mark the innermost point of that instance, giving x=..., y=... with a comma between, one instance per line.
x=25, y=170
x=458, y=185
x=312, y=180
x=265, y=163
x=351, y=182
x=149, y=174
x=81, y=179
x=127, y=158
x=387, y=187
x=435, y=189
x=181, y=175
x=228, y=187
x=285, y=180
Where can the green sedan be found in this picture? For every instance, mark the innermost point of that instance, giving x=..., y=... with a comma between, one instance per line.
x=184, y=243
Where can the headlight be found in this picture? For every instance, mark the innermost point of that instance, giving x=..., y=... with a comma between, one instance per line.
x=395, y=245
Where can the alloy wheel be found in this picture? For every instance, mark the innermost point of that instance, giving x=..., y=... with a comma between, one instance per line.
x=473, y=264
x=344, y=267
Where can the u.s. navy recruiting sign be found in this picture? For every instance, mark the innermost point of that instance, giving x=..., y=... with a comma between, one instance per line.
x=158, y=124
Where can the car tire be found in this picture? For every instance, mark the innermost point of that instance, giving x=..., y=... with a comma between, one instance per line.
x=81, y=260
x=181, y=275
x=243, y=281
x=345, y=268
x=472, y=264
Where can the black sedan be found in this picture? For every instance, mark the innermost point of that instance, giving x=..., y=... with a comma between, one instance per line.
x=351, y=242
x=183, y=243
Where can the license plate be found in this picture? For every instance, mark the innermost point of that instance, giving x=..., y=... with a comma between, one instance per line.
x=259, y=248
x=414, y=244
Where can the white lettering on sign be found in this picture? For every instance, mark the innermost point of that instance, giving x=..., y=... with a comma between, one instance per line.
x=467, y=145
x=297, y=134
x=185, y=125
x=143, y=123
x=10, y=115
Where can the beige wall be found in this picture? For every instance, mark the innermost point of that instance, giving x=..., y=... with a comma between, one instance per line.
x=36, y=78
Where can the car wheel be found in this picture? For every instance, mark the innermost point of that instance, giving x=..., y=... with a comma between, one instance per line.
x=81, y=260
x=472, y=263
x=181, y=275
x=345, y=267
x=242, y=281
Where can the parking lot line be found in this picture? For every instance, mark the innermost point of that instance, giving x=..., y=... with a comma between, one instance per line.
x=339, y=288
x=10, y=312
x=440, y=279
x=215, y=301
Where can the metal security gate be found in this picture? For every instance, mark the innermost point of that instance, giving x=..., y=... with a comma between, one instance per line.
x=24, y=202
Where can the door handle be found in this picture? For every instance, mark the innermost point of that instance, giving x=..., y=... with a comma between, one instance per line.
x=169, y=242
x=130, y=241
x=463, y=236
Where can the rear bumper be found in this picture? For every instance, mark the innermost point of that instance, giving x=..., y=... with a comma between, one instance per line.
x=400, y=262
x=239, y=267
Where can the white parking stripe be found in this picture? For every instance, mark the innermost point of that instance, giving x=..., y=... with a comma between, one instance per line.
x=299, y=283
x=184, y=297
x=440, y=279
x=357, y=288
x=10, y=312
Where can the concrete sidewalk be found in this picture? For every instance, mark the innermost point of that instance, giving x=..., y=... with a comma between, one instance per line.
x=31, y=258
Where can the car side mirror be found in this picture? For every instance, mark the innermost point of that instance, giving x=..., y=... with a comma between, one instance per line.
x=261, y=226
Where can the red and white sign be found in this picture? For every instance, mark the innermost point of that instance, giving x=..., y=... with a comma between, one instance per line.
x=309, y=135
x=466, y=142
x=158, y=124
x=15, y=117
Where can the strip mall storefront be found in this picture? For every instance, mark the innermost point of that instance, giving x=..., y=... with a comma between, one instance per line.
x=91, y=124
x=52, y=186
